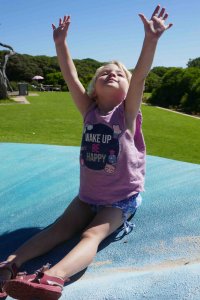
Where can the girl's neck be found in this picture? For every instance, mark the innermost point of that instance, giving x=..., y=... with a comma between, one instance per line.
x=104, y=110
x=107, y=104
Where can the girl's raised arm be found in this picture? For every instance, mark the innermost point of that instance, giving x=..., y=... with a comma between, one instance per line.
x=68, y=69
x=154, y=28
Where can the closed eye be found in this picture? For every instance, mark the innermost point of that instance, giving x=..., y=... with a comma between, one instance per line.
x=121, y=75
x=104, y=73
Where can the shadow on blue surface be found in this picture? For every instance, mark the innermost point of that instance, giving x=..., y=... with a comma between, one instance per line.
x=158, y=260
x=10, y=241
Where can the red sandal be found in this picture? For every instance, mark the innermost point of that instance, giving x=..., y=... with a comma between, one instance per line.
x=38, y=285
x=12, y=268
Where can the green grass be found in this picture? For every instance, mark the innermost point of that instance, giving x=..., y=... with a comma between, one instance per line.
x=7, y=101
x=147, y=95
x=53, y=119
x=171, y=135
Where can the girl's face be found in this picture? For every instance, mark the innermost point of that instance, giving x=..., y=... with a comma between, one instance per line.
x=111, y=79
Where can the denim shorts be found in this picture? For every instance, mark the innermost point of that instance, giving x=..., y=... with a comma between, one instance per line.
x=128, y=207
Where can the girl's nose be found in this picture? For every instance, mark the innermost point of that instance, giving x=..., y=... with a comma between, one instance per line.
x=112, y=74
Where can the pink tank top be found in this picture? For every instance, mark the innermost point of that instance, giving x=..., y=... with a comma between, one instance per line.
x=112, y=160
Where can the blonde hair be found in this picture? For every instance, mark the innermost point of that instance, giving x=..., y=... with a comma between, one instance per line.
x=91, y=86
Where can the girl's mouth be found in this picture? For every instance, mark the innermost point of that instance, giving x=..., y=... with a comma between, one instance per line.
x=111, y=80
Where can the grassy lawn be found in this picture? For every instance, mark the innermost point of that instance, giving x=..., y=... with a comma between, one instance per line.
x=53, y=119
x=7, y=101
x=171, y=135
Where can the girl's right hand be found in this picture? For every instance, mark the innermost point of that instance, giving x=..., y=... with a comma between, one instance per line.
x=60, y=33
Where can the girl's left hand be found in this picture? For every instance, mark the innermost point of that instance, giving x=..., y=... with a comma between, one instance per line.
x=155, y=27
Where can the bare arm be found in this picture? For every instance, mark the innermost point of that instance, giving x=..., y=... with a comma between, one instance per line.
x=68, y=69
x=153, y=30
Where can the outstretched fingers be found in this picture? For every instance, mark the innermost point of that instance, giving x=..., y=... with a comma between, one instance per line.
x=155, y=26
x=143, y=18
x=63, y=22
x=169, y=26
x=161, y=17
x=162, y=12
x=155, y=11
x=160, y=22
x=66, y=19
x=165, y=16
x=60, y=22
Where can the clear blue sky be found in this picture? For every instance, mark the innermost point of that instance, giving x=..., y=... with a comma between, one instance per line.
x=102, y=30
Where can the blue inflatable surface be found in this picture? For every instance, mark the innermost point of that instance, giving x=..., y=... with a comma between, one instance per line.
x=159, y=259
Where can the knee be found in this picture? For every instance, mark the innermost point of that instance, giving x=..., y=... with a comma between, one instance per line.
x=88, y=234
x=91, y=234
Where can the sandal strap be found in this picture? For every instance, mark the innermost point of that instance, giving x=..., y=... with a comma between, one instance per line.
x=11, y=267
x=52, y=280
x=42, y=269
x=43, y=278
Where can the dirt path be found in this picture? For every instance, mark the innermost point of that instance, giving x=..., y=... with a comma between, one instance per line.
x=173, y=111
x=176, y=112
x=22, y=99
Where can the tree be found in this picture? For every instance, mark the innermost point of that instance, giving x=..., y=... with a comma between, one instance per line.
x=153, y=81
x=55, y=78
x=160, y=70
x=154, y=78
x=170, y=91
x=179, y=89
x=189, y=101
x=4, y=82
x=23, y=67
x=194, y=62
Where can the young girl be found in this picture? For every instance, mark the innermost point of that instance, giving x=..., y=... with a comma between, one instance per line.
x=112, y=167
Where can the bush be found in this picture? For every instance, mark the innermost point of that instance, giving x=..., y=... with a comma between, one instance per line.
x=56, y=78
x=189, y=77
x=64, y=88
x=169, y=92
x=179, y=89
x=32, y=88
x=14, y=85
x=194, y=62
x=160, y=70
x=190, y=101
x=153, y=81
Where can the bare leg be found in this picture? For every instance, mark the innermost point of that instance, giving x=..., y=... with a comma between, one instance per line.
x=104, y=223
x=75, y=218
